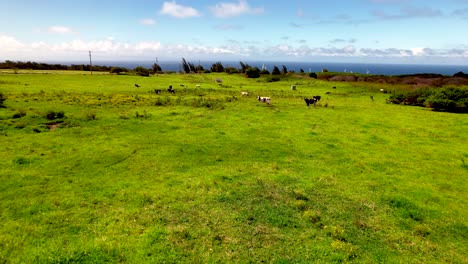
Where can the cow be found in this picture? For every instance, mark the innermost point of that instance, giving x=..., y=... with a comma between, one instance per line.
x=266, y=100
x=310, y=101
x=244, y=93
x=171, y=90
x=137, y=86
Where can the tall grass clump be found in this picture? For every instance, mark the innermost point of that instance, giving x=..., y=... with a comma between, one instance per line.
x=2, y=100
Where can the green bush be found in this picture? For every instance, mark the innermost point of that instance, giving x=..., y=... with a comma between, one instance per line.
x=117, y=70
x=252, y=72
x=449, y=99
x=142, y=71
x=313, y=75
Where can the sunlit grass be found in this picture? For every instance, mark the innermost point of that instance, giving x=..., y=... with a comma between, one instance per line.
x=207, y=175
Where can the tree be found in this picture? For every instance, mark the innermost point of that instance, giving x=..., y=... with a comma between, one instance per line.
x=285, y=70
x=244, y=67
x=252, y=72
x=313, y=75
x=275, y=71
x=185, y=66
x=156, y=68
x=142, y=71
x=217, y=67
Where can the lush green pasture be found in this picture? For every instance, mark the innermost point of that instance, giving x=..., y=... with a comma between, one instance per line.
x=207, y=175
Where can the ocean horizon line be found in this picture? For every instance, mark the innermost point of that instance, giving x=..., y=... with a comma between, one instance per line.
x=345, y=67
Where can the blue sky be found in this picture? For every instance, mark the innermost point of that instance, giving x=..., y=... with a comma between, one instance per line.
x=361, y=31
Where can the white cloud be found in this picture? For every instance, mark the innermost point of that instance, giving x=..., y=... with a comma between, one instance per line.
x=148, y=22
x=110, y=49
x=60, y=30
x=8, y=43
x=226, y=10
x=179, y=11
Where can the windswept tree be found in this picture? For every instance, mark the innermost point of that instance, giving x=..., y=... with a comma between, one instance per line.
x=156, y=68
x=285, y=70
x=217, y=67
x=185, y=66
x=275, y=71
x=244, y=67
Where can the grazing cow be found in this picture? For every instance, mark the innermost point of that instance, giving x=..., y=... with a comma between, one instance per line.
x=244, y=93
x=157, y=91
x=182, y=85
x=293, y=87
x=383, y=91
x=372, y=98
x=334, y=87
x=327, y=93
x=266, y=100
x=136, y=85
x=171, y=90
x=310, y=101
x=197, y=86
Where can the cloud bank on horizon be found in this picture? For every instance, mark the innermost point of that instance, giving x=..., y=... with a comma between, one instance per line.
x=363, y=31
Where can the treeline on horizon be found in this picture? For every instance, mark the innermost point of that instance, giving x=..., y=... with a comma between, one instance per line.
x=188, y=67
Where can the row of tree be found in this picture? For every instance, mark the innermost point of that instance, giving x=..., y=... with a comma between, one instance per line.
x=186, y=67
x=46, y=66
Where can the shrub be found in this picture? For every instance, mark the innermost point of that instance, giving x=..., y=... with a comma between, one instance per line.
x=142, y=71
x=264, y=72
x=448, y=99
x=117, y=70
x=252, y=72
x=313, y=75
x=51, y=115
x=231, y=70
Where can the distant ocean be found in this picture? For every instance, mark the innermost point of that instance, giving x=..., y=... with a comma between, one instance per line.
x=382, y=69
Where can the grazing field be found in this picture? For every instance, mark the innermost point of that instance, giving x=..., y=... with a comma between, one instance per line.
x=94, y=169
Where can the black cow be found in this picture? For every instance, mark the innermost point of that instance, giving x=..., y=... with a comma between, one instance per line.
x=136, y=85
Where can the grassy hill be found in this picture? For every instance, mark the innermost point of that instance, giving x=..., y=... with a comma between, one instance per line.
x=94, y=169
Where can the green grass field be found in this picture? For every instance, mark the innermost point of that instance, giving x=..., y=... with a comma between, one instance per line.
x=95, y=170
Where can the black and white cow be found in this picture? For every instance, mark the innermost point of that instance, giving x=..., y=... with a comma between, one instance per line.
x=263, y=99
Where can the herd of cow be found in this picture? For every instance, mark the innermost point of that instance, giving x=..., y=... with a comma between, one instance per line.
x=309, y=101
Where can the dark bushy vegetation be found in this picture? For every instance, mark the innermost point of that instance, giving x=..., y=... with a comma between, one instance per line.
x=252, y=72
x=449, y=99
x=142, y=71
x=19, y=65
x=118, y=70
x=52, y=115
x=2, y=100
